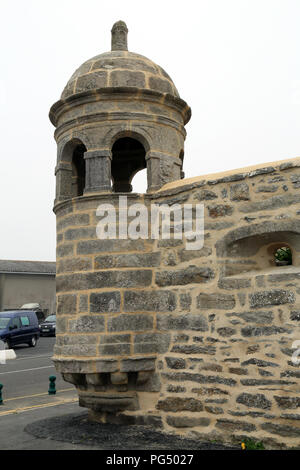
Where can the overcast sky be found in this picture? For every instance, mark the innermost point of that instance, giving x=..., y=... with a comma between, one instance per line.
x=235, y=62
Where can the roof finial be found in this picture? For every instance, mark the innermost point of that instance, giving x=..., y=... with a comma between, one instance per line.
x=119, y=36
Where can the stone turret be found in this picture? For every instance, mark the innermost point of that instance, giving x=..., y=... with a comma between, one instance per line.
x=118, y=114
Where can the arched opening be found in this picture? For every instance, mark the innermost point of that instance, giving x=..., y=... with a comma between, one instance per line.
x=78, y=170
x=128, y=158
x=181, y=156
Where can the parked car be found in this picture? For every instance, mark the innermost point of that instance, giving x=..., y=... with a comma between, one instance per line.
x=48, y=327
x=37, y=309
x=18, y=327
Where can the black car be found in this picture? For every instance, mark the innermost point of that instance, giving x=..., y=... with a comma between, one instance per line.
x=48, y=327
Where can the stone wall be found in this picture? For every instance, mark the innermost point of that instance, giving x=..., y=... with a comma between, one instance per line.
x=196, y=342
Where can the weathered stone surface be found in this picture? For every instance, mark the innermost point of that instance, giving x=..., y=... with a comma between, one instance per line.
x=295, y=315
x=219, y=210
x=203, y=379
x=259, y=316
x=105, y=302
x=151, y=343
x=131, y=260
x=211, y=366
x=79, y=233
x=238, y=370
x=193, y=349
x=87, y=324
x=176, y=404
x=186, y=421
x=196, y=322
x=149, y=301
x=264, y=188
x=175, y=389
x=182, y=322
x=272, y=203
x=83, y=303
x=125, y=322
x=239, y=192
x=66, y=304
x=259, y=363
x=104, y=279
x=204, y=195
x=287, y=402
x=254, y=401
x=250, y=331
x=271, y=297
x=230, y=283
x=61, y=324
x=257, y=382
x=187, y=255
x=89, y=247
x=211, y=391
x=231, y=426
x=72, y=220
x=74, y=264
x=216, y=410
x=137, y=364
x=176, y=362
x=226, y=331
x=118, y=349
x=185, y=301
x=281, y=430
x=189, y=275
x=291, y=373
x=65, y=250
x=215, y=301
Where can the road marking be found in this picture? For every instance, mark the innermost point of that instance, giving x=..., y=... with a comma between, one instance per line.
x=39, y=394
x=31, y=357
x=46, y=405
x=26, y=370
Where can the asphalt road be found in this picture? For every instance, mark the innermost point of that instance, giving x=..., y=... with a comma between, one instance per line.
x=29, y=373
x=25, y=395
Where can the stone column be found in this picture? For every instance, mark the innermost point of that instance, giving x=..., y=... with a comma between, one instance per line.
x=63, y=173
x=98, y=171
x=153, y=171
x=162, y=169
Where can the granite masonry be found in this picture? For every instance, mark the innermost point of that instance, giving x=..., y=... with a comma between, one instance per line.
x=200, y=342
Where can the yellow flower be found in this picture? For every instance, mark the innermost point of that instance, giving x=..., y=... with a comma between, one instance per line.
x=243, y=445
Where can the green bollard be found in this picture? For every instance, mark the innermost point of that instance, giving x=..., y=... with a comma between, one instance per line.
x=1, y=400
x=52, y=389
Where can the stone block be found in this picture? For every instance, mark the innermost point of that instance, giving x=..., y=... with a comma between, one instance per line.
x=80, y=281
x=151, y=343
x=216, y=301
x=66, y=304
x=257, y=400
x=138, y=364
x=196, y=322
x=189, y=275
x=87, y=324
x=232, y=426
x=271, y=297
x=186, y=421
x=105, y=302
x=126, y=322
x=176, y=363
x=176, y=404
x=239, y=192
x=149, y=301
